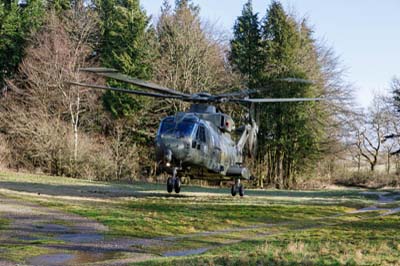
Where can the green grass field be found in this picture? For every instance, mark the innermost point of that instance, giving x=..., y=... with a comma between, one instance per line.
x=266, y=227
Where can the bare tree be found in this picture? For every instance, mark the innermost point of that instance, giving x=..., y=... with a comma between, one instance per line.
x=191, y=52
x=371, y=130
x=41, y=100
x=60, y=50
x=368, y=147
x=391, y=117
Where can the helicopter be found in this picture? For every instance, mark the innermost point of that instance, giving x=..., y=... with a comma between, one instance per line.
x=197, y=143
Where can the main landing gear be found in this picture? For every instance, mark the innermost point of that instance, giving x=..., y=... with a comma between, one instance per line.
x=237, y=188
x=174, y=183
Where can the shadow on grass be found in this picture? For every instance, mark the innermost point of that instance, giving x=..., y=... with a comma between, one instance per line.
x=92, y=190
x=85, y=188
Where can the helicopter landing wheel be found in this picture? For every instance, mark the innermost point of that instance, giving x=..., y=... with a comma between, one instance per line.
x=237, y=188
x=170, y=184
x=177, y=185
x=233, y=190
x=241, y=190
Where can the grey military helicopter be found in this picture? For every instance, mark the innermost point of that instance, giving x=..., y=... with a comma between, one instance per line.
x=197, y=143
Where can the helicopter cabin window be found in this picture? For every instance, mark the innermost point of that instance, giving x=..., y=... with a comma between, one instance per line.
x=222, y=121
x=201, y=134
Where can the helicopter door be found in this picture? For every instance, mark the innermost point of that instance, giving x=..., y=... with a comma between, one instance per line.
x=200, y=144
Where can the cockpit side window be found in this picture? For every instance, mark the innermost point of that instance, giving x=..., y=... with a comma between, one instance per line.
x=167, y=126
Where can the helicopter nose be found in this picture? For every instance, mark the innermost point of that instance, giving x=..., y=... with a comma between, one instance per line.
x=170, y=149
x=175, y=150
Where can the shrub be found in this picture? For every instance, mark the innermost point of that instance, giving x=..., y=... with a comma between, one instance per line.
x=4, y=152
x=368, y=179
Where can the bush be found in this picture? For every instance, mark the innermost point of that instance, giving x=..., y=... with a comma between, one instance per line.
x=46, y=144
x=368, y=179
x=4, y=152
x=111, y=159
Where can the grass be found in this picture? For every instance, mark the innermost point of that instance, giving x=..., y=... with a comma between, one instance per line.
x=18, y=252
x=4, y=223
x=161, y=215
x=365, y=242
x=279, y=227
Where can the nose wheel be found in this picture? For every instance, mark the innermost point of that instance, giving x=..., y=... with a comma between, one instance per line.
x=170, y=185
x=174, y=183
x=237, y=188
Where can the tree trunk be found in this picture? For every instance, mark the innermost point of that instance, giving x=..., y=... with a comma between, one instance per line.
x=75, y=142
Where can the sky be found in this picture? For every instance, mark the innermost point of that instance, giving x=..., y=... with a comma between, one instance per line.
x=365, y=34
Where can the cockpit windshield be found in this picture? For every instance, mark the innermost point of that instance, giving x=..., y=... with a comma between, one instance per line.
x=183, y=129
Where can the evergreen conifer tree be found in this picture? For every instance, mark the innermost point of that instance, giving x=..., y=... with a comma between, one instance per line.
x=245, y=53
x=124, y=36
x=288, y=136
x=16, y=25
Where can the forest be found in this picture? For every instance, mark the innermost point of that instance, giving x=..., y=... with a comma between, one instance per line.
x=49, y=126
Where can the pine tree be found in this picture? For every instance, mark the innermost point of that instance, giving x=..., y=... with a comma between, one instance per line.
x=288, y=135
x=124, y=46
x=245, y=53
x=16, y=25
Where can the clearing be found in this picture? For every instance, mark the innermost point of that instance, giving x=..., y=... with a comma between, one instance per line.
x=61, y=221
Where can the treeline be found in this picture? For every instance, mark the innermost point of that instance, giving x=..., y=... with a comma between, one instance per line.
x=47, y=125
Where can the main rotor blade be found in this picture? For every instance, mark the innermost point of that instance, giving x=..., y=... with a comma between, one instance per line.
x=297, y=80
x=246, y=92
x=278, y=100
x=143, y=93
x=114, y=74
x=242, y=93
x=265, y=87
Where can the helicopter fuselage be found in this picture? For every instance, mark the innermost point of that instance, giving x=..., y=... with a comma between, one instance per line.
x=198, y=144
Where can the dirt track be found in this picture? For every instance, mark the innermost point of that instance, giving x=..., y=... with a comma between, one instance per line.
x=83, y=240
